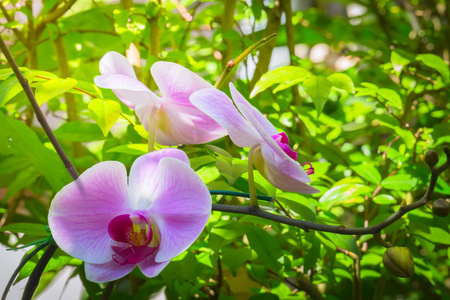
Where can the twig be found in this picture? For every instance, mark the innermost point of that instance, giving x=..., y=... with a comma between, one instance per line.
x=231, y=65
x=8, y=18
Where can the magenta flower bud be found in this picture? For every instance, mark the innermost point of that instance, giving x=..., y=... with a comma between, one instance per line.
x=114, y=224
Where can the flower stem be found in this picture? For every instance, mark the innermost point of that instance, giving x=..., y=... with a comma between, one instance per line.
x=151, y=130
x=251, y=180
x=379, y=240
x=231, y=65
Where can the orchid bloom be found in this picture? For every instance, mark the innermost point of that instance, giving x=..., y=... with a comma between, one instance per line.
x=247, y=127
x=113, y=225
x=173, y=117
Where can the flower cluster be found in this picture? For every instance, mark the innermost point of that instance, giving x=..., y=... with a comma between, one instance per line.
x=114, y=224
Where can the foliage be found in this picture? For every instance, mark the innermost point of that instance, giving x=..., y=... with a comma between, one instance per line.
x=364, y=114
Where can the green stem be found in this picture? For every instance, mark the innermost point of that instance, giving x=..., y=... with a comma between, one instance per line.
x=251, y=180
x=231, y=65
x=379, y=240
x=151, y=129
x=239, y=194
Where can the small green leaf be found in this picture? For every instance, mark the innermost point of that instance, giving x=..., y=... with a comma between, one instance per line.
x=318, y=88
x=399, y=59
x=235, y=258
x=384, y=199
x=368, y=172
x=342, y=82
x=52, y=88
x=8, y=89
x=284, y=75
x=437, y=63
x=433, y=234
x=79, y=132
x=346, y=194
x=105, y=113
x=346, y=242
x=132, y=149
x=26, y=228
x=265, y=245
x=391, y=96
x=403, y=182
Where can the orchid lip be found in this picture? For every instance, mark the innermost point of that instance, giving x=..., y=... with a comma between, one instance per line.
x=131, y=236
x=282, y=141
x=310, y=171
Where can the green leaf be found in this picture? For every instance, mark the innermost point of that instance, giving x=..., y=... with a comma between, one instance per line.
x=235, y=258
x=384, y=199
x=437, y=63
x=26, y=228
x=403, y=182
x=399, y=59
x=8, y=89
x=24, y=178
x=79, y=132
x=16, y=137
x=346, y=242
x=105, y=113
x=52, y=88
x=318, y=88
x=265, y=245
x=300, y=205
x=391, y=96
x=346, y=194
x=342, y=82
x=433, y=234
x=132, y=149
x=285, y=75
x=368, y=172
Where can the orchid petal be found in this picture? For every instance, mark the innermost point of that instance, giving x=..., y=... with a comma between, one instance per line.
x=129, y=90
x=218, y=106
x=261, y=119
x=176, y=83
x=115, y=63
x=178, y=124
x=287, y=175
x=144, y=178
x=181, y=207
x=276, y=155
x=81, y=211
x=106, y=272
x=150, y=268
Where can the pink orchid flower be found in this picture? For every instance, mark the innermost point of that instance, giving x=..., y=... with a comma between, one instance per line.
x=176, y=120
x=113, y=225
x=247, y=127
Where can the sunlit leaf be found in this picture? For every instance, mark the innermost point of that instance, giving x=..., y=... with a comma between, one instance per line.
x=285, y=75
x=318, y=88
x=105, y=113
x=52, y=88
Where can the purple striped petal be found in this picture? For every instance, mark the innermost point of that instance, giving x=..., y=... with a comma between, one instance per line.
x=218, y=106
x=181, y=208
x=145, y=178
x=150, y=268
x=178, y=124
x=258, y=116
x=81, y=211
x=106, y=272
